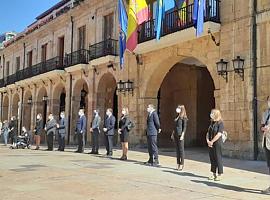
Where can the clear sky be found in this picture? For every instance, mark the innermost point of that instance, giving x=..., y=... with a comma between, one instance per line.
x=16, y=15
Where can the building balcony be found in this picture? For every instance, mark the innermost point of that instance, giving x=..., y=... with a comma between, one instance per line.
x=33, y=71
x=177, y=26
x=103, y=52
x=77, y=57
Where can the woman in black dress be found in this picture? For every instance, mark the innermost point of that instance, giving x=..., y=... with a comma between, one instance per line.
x=179, y=135
x=38, y=130
x=214, y=141
x=124, y=132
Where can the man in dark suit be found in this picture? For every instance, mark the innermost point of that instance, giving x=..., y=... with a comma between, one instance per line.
x=13, y=130
x=50, y=129
x=109, y=131
x=62, y=126
x=80, y=131
x=95, y=130
x=153, y=128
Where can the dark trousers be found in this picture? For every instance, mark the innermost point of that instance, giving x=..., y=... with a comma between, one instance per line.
x=109, y=144
x=95, y=140
x=267, y=155
x=81, y=142
x=152, y=149
x=50, y=141
x=13, y=138
x=180, y=152
x=61, y=142
x=215, y=154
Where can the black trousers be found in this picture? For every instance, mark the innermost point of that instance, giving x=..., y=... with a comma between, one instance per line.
x=152, y=149
x=180, y=151
x=109, y=144
x=95, y=140
x=50, y=141
x=267, y=154
x=81, y=142
x=215, y=154
x=13, y=138
x=61, y=141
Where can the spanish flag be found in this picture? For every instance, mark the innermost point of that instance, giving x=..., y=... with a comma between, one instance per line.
x=137, y=14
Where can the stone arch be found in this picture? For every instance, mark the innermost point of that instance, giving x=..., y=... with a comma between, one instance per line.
x=15, y=105
x=5, y=107
x=58, y=99
x=27, y=109
x=189, y=82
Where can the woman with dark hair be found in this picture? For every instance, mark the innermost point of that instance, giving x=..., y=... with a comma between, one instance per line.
x=179, y=135
x=124, y=132
x=38, y=130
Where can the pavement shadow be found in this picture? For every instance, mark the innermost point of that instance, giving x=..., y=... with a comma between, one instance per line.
x=187, y=174
x=228, y=187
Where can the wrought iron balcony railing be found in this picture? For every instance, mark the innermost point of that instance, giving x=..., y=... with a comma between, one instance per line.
x=178, y=20
x=104, y=48
x=77, y=57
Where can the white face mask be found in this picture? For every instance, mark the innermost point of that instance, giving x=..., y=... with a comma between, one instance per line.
x=108, y=113
x=148, y=109
x=212, y=116
x=62, y=116
x=38, y=117
x=123, y=112
x=268, y=103
x=178, y=110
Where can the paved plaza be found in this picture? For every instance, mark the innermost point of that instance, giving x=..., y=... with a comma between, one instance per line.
x=32, y=175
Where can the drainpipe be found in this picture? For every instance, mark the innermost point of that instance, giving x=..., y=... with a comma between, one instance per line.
x=70, y=101
x=24, y=55
x=254, y=78
x=72, y=32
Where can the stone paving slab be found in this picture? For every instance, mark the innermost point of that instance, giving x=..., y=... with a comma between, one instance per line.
x=27, y=174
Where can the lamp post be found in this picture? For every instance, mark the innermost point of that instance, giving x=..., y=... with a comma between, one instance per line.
x=125, y=86
x=238, y=66
x=222, y=69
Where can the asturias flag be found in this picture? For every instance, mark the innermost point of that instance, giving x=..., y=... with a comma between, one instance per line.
x=137, y=14
x=123, y=22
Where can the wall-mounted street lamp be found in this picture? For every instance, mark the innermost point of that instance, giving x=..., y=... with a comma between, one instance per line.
x=29, y=101
x=125, y=86
x=45, y=98
x=238, y=66
x=222, y=69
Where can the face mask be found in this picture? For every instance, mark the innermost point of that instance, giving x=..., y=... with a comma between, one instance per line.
x=124, y=112
x=149, y=110
x=268, y=103
x=178, y=110
x=38, y=117
x=212, y=115
x=62, y=116
x=108, y=113
x=79, y=113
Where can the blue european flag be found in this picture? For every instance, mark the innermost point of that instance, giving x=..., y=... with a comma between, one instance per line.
x=123, y=23
x=198, y=16
x=160, y=12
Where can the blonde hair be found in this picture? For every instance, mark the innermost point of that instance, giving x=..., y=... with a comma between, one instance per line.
x=126, y=109
x=216, y=115
x=183, y=113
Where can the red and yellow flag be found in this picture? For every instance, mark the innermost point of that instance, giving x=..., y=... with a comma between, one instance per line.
x=137, y=14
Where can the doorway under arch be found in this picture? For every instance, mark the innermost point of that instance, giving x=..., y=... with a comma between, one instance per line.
x=27, y=108
x=5, y=108
x=187, y=83
x=15, y=106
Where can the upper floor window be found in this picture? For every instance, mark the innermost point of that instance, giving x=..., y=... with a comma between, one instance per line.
x=29, y=58
x=44, y=52
x=108, y=26
x=18, y=63
x=7, y=68
x=81, y=37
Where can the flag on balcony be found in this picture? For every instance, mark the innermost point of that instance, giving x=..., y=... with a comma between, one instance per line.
x=198, y=16
x=137, y=14
x=182, y=13
x=123, y=22
x=160, y=12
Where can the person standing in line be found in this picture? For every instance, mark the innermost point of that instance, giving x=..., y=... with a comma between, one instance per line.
x=80, y=131
x=95, y=130
x=124, y=132
x=5, y=131
x=152, y=131
x=179, y=135
x=214, y=141
x=61, y=127
x=265, y=128
x=38, y=130
x=109, y=131
x=13, y=127
x=50, y=129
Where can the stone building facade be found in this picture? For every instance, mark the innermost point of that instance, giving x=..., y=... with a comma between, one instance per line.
x=69, y=59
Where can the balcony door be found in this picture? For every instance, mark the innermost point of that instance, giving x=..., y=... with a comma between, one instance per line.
x=108, y=26
x=44, y=52
x=61, y=49
x=29, y=58
x=81, y=37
